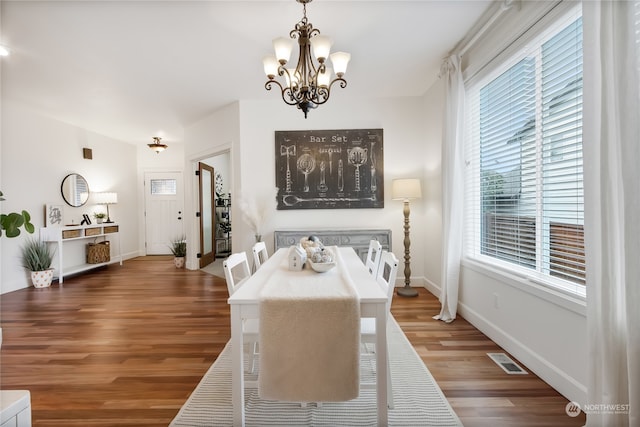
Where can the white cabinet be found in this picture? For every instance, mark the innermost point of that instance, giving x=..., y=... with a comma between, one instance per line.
x=71, y=242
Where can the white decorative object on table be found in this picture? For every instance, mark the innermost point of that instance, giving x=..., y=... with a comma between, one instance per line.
x=322, y=267
x=297, y=258
x=320, y=258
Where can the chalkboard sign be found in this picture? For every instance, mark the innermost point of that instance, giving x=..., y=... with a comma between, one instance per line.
x=330, y=169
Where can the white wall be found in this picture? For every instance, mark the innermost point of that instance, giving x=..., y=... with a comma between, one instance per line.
x=215, y=134
x=546, y=331
x=37, y=153
x=221, y=165
x=403, y=124
x=252, y=147
x=432, y=186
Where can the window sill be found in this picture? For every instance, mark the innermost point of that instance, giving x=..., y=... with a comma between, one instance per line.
x=558, y=296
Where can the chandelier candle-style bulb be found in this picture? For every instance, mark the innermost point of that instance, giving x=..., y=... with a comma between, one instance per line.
x=283, y=48
x=321, y=47
x=340, y=60
x=270, y=66
x=308, y=84
x=324, y=79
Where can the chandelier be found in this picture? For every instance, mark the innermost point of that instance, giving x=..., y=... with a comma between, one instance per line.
x=157, y=146
x=309, y=84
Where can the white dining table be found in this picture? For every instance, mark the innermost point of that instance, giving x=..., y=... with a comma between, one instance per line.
x=245, y=305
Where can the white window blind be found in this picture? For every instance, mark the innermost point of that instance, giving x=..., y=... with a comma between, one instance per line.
x=524, y=187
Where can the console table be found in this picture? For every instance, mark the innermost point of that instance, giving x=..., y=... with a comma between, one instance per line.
x=63, y=236
x=358, y=239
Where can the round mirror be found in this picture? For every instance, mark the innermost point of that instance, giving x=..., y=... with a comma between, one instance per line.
x=75, y=190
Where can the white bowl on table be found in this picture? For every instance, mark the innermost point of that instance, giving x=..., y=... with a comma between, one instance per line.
x=322, y=267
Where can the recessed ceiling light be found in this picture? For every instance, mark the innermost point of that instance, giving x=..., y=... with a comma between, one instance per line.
x=4, y=51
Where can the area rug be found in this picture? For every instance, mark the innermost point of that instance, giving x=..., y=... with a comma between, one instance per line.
x=418, y=399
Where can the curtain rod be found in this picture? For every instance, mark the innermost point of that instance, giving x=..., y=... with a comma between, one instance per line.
x=506, y=5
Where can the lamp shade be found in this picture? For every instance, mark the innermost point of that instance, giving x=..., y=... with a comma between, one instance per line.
x=321, y=46
x=406, y=189
x=270, y=66
x=340, y=61
x=324, y=79
x=283, y=48
x=106, y=198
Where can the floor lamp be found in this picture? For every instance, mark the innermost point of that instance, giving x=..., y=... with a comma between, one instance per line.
x=405, y=190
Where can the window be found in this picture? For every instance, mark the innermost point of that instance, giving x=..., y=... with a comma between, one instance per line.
x=163, y=187
x=524, y=187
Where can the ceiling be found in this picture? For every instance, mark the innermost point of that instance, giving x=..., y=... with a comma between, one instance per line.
x=131, y=70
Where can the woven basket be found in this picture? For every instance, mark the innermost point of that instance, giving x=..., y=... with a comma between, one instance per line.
x=98, y=253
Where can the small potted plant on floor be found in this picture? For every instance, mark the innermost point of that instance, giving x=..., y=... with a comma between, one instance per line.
x=99, y=216
x=37, y=257
x=179, y=251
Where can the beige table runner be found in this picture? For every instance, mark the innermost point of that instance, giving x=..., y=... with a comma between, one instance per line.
x=309, y=335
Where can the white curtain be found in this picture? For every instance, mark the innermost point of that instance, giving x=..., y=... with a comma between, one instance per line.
x=452, y=186
x=611, y=145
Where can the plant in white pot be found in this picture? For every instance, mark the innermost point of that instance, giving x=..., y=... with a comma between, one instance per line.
x=100, y=217
x=37, y=257
x=179, y=250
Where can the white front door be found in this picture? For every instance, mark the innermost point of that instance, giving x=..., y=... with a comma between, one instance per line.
x=164, y=211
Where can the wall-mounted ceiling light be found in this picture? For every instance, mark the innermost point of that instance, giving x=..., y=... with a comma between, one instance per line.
x=4, y=51
x=157, y=146
x=309, y=84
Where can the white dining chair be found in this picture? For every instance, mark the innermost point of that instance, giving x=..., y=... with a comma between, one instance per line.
x=373, y=256
x=386, y=279
x=260, y=254
x=236, y=272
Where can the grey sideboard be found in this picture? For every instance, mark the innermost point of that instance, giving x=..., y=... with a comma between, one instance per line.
x=357, y=239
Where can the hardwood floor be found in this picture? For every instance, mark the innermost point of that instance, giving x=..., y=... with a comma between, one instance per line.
x=125, y=346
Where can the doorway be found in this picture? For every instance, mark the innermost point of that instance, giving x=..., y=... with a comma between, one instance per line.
x=206, y=193
x=164, y=207
x=214, y=184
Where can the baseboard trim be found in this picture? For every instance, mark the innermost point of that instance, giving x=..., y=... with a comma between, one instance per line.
x=551, y=374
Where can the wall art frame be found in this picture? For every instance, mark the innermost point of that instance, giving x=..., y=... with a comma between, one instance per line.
x=330, y=169
x=53, y=215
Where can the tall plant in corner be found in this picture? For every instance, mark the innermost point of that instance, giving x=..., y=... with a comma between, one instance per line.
x=10, y=223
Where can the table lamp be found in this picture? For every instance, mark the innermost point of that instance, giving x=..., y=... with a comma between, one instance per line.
x=405, y=190
x=106, y=198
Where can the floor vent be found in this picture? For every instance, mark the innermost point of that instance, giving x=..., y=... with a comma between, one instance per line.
x=508, y=365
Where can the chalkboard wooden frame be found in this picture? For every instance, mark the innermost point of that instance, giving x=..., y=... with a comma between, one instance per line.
x=330, y=169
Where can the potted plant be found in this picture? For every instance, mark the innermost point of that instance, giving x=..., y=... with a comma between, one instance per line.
x=179, y=250
x=99, y=216
x=37, y=257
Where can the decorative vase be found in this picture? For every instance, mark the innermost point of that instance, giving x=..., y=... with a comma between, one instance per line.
x=99, y=220
x=42, y=279
x=178, y=261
